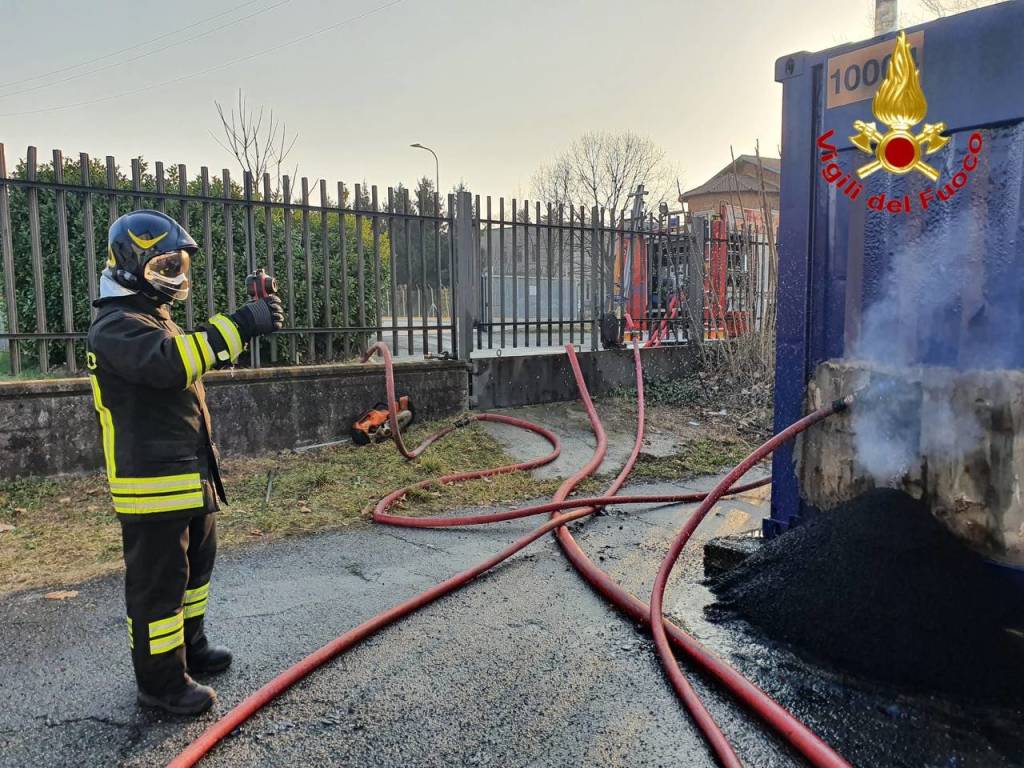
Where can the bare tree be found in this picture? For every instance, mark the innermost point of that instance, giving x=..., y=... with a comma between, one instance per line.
x=950, y=7
x=603, y=169
x=934, y=9
x=259, y=142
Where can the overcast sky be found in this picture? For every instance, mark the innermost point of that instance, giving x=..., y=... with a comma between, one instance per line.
x=496, y=88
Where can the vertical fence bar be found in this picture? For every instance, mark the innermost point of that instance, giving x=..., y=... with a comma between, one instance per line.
x=664, y=275
x=561, y=273
x=655, y=313
x=184, y=220
x=437, y=259
x=345, y=340
x=307, y=254
x=377, y=263
x=7, y=253
x=136, y=183
x=360, y=263
x=551, y=262
x=39, y=290
x=515, y=277
x=112, y=204
x=526, y=272
x=536, y=256
x=587, y=277
x=572, y=275
x=408, y=269
x=249, y=228
x=324, y=239
x=595, y=256
x=672, y=244
x=268, y=229
x=452, y=291
x=64, y=254
x=88, y=232
x=695, y=278
x=467, y=279
x=478, y=273
x=289, y=261
x=204, y=189
x=423, y=310
x=393, y=258
x=161, y=188
x=229, y=239
x=501, y=268
x=489, y=316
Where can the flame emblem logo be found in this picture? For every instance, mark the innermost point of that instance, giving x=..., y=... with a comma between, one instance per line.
x=900, y=104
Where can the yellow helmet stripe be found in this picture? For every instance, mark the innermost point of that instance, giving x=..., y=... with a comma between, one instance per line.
x=146, y=244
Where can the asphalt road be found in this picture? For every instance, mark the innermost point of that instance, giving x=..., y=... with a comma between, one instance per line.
x=524, y=667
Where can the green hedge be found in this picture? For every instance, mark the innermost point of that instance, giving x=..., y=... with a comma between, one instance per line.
x=294, y=295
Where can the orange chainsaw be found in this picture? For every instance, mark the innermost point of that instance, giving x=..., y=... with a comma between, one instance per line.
x=374, y=426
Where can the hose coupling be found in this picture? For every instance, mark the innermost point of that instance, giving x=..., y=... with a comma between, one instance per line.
x=840, y=405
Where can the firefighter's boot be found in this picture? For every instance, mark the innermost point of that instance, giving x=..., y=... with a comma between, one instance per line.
x=207, y=659
x=191, y=699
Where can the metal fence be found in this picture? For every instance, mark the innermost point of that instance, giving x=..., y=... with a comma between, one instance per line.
x=350, y=266
x=549, y=274
x=740, y=276
x=471, y=275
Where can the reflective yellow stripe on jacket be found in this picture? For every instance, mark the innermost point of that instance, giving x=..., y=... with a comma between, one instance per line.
x=143, y=495
x=196, y=355
x=106, y=427
x=144, y=505
x=230, y=333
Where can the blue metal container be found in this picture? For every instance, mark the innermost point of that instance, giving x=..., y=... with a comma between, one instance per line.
x=838, y=256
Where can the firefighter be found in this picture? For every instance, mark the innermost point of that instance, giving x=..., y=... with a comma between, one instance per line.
x=161, y=462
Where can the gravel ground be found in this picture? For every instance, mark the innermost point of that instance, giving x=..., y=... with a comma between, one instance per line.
x=880, y=588
x=525, y=667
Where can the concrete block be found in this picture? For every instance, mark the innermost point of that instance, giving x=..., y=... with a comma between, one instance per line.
x=953, y=438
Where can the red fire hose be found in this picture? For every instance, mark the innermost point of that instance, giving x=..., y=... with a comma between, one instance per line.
x=788, y=727
x=816, y=751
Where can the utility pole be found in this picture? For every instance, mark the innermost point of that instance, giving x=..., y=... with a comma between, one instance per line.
x=886, y=16
x=437, y=172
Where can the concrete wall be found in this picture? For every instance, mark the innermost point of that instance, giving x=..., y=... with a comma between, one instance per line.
x=501, y=382
x=49, y=426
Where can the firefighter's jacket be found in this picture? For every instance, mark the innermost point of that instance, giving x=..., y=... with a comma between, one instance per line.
x=155, y=427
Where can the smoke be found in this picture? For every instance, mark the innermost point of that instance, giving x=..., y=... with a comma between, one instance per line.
x=913, y=333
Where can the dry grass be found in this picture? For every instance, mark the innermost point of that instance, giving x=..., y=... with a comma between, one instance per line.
x=65, y=532
x=699, y=457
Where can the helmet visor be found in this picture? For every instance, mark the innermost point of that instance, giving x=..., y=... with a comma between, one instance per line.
x=168, y=274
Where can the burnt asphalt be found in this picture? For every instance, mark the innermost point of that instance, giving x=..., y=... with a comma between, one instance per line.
x=524, y=667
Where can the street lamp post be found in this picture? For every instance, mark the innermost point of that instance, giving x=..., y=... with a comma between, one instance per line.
x=437, y=174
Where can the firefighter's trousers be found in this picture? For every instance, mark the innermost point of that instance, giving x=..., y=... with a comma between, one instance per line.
x=168, y=564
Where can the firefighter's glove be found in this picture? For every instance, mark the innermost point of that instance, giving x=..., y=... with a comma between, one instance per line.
x=258, y=318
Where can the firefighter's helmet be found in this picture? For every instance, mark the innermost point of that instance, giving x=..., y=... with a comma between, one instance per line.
x=148, y=251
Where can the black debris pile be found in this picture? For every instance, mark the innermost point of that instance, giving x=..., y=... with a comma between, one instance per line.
x=878, y=587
